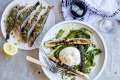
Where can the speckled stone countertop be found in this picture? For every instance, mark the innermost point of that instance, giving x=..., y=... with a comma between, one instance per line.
x=17, y=68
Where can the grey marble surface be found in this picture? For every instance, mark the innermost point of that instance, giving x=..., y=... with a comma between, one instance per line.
x=17, y=68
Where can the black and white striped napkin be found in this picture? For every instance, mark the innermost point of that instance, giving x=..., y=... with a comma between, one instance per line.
x=94, y=14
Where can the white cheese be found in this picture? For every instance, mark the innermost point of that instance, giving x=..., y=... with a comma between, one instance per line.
x=70, y=56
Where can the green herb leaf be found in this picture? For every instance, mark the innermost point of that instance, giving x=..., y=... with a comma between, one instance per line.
x=15, y=43
x=60, y=33
x=74, y=78
x=93, y=45
x=94, y=51
x=87, y=70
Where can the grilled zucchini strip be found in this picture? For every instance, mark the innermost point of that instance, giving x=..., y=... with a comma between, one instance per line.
x=68, y=41
x=66, y=67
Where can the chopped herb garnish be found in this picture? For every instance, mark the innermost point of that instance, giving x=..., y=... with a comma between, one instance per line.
x=11, y=33
x=15, y=43
x=74, y=78
x=60, y=33
x=93, y=45
x=81, y=32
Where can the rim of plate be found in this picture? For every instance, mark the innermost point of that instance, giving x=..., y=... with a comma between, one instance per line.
x=2, y=18
x=88, y=25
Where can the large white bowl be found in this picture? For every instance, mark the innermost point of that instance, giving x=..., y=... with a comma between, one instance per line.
x=97, y=39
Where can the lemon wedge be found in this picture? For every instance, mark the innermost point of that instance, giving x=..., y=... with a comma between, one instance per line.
x=10, y=49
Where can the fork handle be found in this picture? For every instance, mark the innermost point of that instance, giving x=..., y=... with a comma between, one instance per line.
x=33, y=60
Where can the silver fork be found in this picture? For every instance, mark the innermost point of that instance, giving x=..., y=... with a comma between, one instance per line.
x=53, y=67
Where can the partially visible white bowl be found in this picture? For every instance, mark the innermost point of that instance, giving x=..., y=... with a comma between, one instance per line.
x=48, y=25
x=100, y=60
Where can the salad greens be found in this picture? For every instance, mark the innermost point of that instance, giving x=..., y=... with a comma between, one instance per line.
x=60, y=33
x=90, y=55
x=87, y=56
x=81, y=32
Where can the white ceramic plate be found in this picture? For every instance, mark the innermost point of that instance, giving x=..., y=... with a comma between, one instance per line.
x=50, y=22
x=97, y=39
